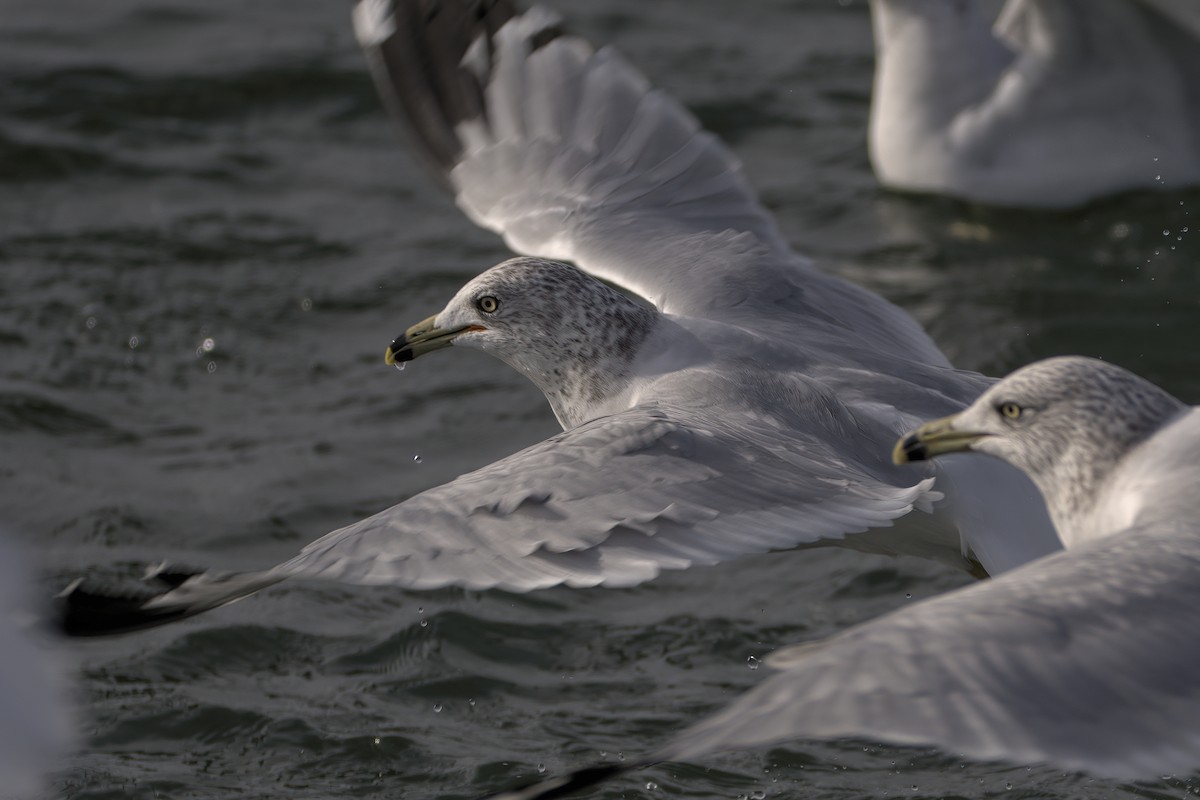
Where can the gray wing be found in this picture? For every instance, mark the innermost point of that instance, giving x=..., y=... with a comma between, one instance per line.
x=567, y=152
x=616, y=500
x=570, y=154
x=610, y=502
x=1085, y=659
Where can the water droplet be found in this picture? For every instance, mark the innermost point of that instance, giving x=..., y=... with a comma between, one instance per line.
x=400, y=365
x=758, y=794
x=306, y=304
x=376, y=740
x=471, y=702
x=91, y=323
x=651, y=786
x=416, y=459
x=1166, y=232
x=424, y=623
x=1007, y=785
x=753, y=661
x=133, y=342
x=207, y=345
x=541, y=768
x=620, y=756
x=908, y=595
x=437, y=708
x=212, y=367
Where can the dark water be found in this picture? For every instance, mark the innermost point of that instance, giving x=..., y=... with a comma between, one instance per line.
x=208, y=235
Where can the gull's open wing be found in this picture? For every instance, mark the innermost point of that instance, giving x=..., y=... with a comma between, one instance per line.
x=611, y=502
x=567, y=152
x=570, y=154
x=1085, y=659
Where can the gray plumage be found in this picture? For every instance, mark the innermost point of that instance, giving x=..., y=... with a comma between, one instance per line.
x=747, y=406
x=1085, y=659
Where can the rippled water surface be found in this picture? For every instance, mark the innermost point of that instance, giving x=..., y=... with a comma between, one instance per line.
x=208, y=235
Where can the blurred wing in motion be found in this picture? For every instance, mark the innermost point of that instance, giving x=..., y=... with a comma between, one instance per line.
x=35, y=722
x=1084, y=659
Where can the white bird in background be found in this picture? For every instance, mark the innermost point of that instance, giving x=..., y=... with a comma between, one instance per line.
x=1058, y=103
x=748, y=406
x=1085, y=659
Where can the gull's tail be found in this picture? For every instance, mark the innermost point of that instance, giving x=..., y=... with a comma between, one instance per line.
x=166, y=594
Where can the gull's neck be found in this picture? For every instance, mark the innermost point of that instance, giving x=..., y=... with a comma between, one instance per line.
x=597, y=378
x=1091, y=488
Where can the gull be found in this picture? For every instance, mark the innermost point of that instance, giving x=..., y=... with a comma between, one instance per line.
x=1085, y=659
x=728, y=399
x=1060, y=102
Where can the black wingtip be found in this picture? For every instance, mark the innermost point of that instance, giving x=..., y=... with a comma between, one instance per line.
x=85, y=611
x=416, y=50
x=552, y=788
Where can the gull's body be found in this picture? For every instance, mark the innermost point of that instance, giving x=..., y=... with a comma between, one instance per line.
x=745, y=407
x=1084, y=659
x=1056, y=103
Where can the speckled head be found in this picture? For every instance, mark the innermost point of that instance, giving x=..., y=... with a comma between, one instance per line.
x=1066, y=422
x=572, y=335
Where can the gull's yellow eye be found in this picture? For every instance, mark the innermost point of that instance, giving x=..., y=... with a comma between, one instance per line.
x=1010, y=410
x=487, y=304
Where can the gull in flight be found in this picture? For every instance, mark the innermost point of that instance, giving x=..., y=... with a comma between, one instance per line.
x=1085, y=659
x=729, y=399
x=1058, y=103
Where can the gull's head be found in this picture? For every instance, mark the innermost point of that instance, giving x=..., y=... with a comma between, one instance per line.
x=572, y=335
x=1066, y=422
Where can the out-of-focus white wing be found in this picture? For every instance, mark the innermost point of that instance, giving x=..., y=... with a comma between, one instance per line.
x=1085, y=659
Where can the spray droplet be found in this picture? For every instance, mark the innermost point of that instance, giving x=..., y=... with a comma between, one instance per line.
x=376, y=740
x=207, y=345
x=437, y=708
x=541, y=768
x=306, y=304
x=424, y=623
x=908, y=595
x=212, y=367
x=471, y=702
x=91, y=323
x=133, y=342
x=416, y=459
x=651, y=786
x=753, y=661
x=400, y=365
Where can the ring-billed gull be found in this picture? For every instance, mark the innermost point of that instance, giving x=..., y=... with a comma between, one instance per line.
x=1085, y=659
x=1060, y=102
x=745, y=408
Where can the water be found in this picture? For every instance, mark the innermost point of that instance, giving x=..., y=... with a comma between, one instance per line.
x=209, y=234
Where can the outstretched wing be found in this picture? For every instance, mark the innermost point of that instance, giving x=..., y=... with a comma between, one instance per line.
x=1084, y=659
x=569, y=153
x=611, y=502
x=616, y=500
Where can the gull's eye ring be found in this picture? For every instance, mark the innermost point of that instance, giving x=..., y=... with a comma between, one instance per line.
x=487, y=304
x=1009, y=410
